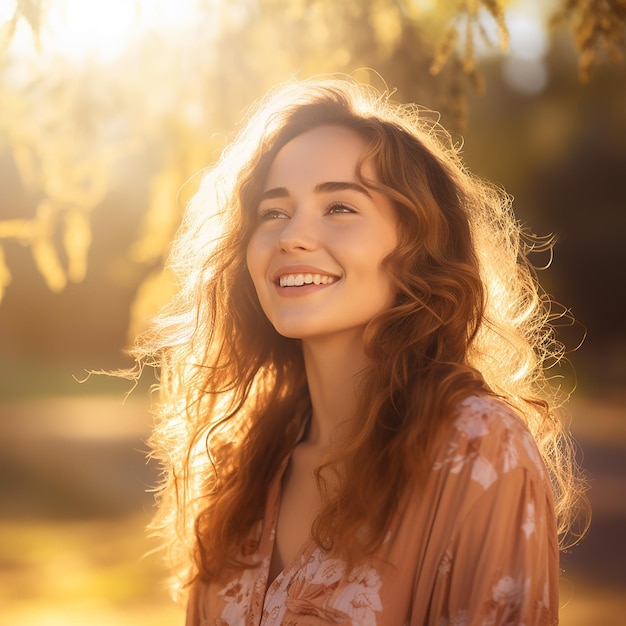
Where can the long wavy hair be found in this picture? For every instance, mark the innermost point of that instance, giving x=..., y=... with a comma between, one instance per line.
x=468, y=317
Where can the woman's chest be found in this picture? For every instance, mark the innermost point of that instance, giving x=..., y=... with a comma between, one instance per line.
x=298, y=506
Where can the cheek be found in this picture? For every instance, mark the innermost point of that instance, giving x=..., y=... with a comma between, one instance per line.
x=256, y=260
x=250, y=257
x=385, y=280
x=252, y=254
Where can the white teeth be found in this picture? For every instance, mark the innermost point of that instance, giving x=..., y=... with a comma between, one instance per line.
x=297, y=280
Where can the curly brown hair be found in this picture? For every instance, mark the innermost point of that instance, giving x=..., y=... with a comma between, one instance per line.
x=468, y=317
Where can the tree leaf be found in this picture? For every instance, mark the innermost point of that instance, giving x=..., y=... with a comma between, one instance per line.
x=43, y=249
x=48, y=264
x=76, y=241
x=20, y=230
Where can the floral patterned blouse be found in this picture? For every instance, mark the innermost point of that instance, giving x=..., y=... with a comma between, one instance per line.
x=478, y=547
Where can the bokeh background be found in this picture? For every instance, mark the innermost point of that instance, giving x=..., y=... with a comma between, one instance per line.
x=109, y=111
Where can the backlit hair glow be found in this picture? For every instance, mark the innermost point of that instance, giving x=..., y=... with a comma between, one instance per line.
x=468, y=317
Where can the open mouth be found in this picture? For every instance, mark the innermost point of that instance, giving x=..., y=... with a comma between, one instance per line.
x=298, y=280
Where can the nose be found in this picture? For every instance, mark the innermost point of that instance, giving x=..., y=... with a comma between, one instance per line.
x=297, y=234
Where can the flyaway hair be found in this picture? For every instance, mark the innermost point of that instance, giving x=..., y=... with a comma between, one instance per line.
x=468, y=317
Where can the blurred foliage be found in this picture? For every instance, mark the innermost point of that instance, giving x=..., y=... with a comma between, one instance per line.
x=599, y=27
x=466, y=25
x=70, y=125
x=98, y=154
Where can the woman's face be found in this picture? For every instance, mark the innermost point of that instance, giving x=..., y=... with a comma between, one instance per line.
x=315, y=255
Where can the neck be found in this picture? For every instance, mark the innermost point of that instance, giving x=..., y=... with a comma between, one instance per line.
x=333, y=366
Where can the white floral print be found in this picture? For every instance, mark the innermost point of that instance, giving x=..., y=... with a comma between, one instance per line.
x=510, y=454
x=483, y=472
x=506, y=591
x=360, y=599
x=529, y=525
x=238, y=594
x=458, y=554
x=446, y=563
x=476, y=421
x=357, y=599
x=472, y=422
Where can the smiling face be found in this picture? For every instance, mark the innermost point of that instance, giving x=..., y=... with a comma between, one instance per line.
x=321, y=236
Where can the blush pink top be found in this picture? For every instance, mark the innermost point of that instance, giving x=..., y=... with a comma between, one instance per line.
x=477, y=547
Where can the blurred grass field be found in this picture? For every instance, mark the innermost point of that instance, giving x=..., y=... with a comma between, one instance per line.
x=76, y=573
x=73, y=544
x=81, y=572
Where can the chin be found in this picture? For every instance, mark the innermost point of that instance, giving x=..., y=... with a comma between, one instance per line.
x=291, y=332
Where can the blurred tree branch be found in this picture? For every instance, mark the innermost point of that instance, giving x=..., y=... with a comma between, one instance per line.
x=598, y=28
x=32, y=12
x=67, y=127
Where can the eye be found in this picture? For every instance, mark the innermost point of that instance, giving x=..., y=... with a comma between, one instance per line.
x=337, y=208
x=271, y=214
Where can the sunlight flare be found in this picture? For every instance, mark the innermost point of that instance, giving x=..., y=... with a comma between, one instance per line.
x=103, y=30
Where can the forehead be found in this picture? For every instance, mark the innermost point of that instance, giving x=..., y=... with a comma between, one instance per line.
x=325, y=153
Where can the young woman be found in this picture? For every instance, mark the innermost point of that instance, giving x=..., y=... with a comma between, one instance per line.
x=354, y=421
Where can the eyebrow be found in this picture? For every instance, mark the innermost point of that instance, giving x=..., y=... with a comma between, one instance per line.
x=283, y=192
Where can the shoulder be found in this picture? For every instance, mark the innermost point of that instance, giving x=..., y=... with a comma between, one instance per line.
x=490, y=514
x=488, y=440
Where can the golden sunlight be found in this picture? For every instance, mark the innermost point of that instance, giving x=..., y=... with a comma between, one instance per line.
x=101, y=30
